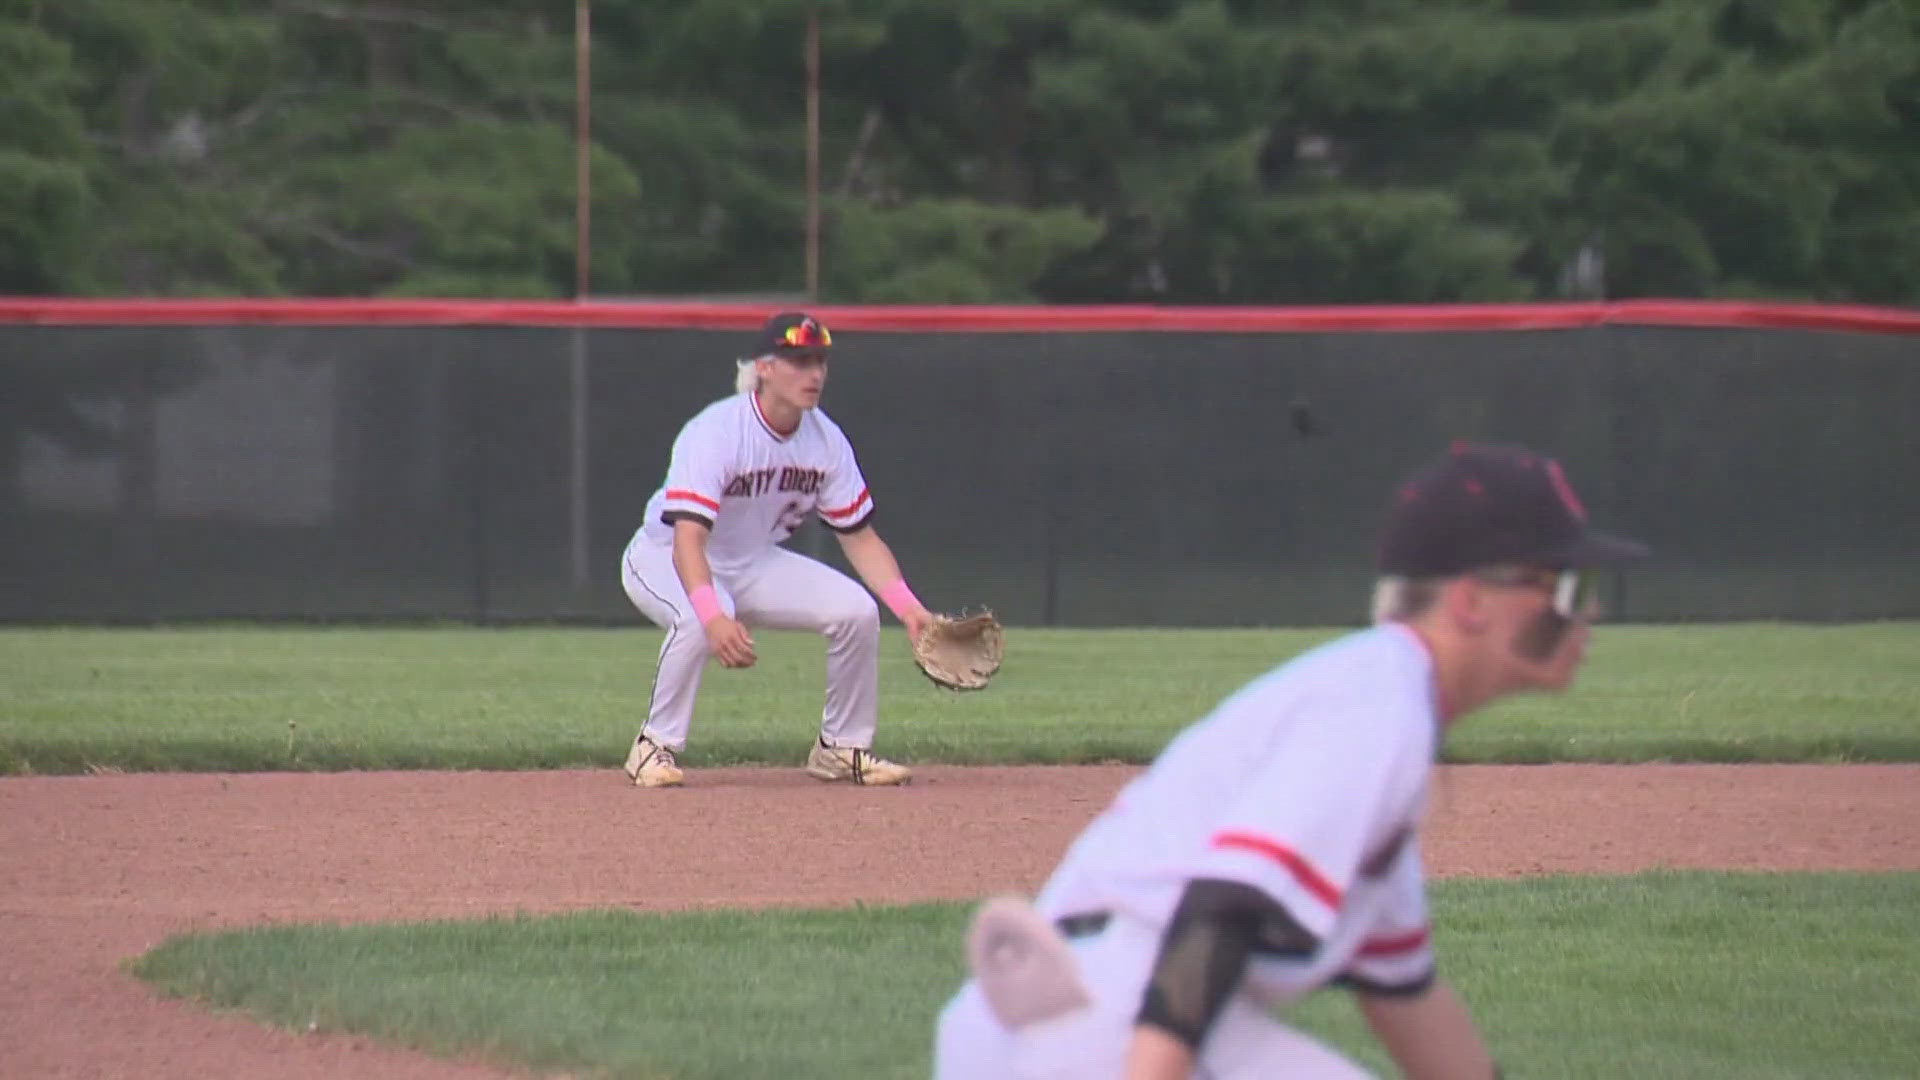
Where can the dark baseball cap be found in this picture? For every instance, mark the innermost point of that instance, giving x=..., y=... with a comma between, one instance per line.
x=1486, y=505
x=793, y=333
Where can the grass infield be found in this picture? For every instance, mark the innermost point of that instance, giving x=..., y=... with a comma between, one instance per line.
x=1753, y=976
x=283, y=698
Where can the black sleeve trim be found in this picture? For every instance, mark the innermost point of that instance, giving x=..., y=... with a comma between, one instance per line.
x=1375, y=988
x=848, y=530
x=668, y=517
x=1216, y=928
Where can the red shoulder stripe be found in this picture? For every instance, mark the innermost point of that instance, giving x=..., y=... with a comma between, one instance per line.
x=1394, y=946
x=1311, y=879
x=851, y=508
x=693, y=496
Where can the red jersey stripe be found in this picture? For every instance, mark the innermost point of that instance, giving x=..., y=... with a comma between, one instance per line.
x=849, y=509
x=1302, y=871
x=694, y=496
x=1394, y=946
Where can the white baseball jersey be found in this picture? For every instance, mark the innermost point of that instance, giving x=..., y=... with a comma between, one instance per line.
x=754, y=485
x=1307, y=784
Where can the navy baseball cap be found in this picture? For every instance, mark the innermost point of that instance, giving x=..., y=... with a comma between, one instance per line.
x=1487, y=505
x=793, y=333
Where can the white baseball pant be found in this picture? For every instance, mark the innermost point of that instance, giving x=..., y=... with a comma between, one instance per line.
x=1245, y=1043
x=781, y=590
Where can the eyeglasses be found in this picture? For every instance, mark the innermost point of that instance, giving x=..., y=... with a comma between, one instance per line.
x=806, y=334
x=1575, y=592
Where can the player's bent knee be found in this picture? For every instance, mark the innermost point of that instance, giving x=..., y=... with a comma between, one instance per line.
x=858, y=619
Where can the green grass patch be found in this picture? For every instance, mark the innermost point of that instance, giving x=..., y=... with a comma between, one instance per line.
x=1679, y=975
x=1751, y=976
x=261, y=698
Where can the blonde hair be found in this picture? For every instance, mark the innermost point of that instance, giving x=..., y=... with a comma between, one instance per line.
x=746, y=375
x=1397, y=599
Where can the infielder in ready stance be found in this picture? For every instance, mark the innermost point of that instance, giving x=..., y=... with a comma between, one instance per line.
x=1273, y=848
x=706, y=563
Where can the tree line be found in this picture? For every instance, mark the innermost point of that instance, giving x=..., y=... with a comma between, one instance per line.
x=1058, y=151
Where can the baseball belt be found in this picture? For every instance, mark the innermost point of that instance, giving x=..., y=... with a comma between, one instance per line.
x=1085, y=924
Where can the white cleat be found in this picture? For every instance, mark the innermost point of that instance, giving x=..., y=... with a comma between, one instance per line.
x=855, y=764
x=651, y=765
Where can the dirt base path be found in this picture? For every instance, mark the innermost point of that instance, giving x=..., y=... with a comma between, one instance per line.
x=96, y=870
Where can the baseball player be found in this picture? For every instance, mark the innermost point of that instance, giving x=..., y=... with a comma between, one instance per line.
x=1273, y=848
x=707, y=562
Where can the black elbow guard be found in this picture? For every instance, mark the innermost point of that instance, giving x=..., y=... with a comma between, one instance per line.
x=1215, y=929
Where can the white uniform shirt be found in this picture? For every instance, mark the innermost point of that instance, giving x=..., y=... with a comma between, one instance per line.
x=754, y=485
x=1307, y=784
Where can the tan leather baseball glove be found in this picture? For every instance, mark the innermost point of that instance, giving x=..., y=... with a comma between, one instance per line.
x=960, y=653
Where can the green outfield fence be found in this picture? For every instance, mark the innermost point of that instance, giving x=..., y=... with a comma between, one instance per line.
x=484, y=461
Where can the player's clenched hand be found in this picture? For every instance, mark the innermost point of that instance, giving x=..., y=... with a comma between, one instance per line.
x=730, y=642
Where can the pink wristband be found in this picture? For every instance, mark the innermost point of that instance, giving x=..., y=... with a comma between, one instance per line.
x=899, y=598
x=705, y=604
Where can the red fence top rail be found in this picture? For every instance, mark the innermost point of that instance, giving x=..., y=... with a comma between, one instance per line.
x=64, y=311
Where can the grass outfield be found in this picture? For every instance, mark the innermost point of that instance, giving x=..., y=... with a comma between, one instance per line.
x=277, y=698
x=1747, y=976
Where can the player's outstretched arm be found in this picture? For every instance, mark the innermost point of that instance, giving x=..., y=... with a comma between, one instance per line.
x=873, y=560
x=1430, y=1035
x=726, y=637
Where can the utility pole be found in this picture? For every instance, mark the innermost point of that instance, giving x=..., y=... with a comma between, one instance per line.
x=813, y=155
x=582, y=144
x=577, y=509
